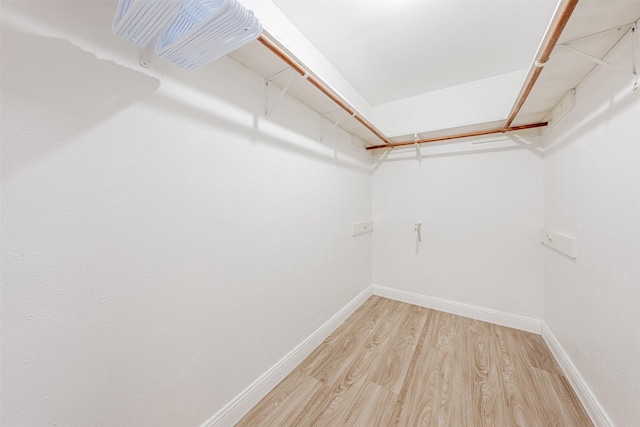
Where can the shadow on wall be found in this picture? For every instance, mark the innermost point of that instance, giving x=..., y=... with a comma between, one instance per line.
x=298, y=141
x=56, y=91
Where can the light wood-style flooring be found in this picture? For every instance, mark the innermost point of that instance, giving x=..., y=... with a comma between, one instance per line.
x=396, y=364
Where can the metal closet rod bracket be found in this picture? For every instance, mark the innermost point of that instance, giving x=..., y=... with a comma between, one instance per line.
x=418, y=151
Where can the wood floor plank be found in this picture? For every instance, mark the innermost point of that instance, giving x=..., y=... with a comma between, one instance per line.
x=562, y=401
x=488, y=399
x=371, y=407
x=458, y=407
x=538, y=353
x=426, y=396
x=392, y=363
x=351, y=340
x=280, y=409
x=392, y=369
x=346, y=386
x=515, y=370
x=346, y=337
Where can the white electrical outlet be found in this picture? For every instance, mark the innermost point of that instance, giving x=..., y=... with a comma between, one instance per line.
x=362, y=227
x=565, y=244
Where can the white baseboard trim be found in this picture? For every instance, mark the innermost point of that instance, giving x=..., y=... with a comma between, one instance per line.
x=591, y=405
x=233, y=411
x=480, y=313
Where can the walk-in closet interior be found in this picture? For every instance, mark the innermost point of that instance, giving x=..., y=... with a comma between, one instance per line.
x=320, y=213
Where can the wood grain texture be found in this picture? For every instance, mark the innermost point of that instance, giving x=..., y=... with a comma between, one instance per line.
x=392, y=363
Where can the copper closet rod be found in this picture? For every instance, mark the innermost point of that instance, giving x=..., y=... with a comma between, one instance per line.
x=559, y=21
x=321, y=86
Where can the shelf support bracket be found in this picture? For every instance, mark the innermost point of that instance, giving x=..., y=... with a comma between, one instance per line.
x=270, y=106
x=333, y=124
x=598, y=61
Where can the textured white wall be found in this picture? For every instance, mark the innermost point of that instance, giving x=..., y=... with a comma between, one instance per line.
x=162, y=244
x=592, y=192
x=480, y=206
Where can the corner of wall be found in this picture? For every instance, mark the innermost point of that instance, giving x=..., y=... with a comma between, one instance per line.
x=589, y=401
x=479, y=313
x=233, y=411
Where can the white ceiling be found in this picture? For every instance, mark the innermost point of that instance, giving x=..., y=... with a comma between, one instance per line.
x=394, y=49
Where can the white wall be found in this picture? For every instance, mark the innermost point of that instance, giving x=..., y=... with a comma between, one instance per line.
x=480, y=101
x=480, y=206
x=162, y=244
x=592, y=192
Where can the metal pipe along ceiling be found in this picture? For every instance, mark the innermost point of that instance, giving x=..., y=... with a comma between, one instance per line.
x=558, y=23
